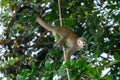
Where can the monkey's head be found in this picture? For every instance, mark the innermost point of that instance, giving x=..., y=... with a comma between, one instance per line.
x=81, y=42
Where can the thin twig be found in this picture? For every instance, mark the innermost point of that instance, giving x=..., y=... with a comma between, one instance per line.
x=60, y=16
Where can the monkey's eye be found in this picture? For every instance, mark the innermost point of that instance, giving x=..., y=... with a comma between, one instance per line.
x=83, y=43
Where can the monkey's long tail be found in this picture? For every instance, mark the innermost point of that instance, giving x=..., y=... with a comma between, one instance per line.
x=39, y=20
x=43, y=24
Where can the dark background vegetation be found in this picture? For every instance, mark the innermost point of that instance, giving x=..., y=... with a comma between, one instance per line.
x=27, y=51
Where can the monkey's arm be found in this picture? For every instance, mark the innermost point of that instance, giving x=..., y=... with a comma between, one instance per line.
x=60, y=42
x=68, y=53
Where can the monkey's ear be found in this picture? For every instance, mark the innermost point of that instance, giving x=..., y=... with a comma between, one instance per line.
x=78, y=42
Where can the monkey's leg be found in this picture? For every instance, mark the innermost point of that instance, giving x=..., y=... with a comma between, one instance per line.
x=69, y=51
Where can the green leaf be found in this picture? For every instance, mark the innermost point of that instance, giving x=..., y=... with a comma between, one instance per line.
x=5, y=2
x=106, y=78
x=114, y=62
x=81, y=63
x=116, y=56
x=11, y=62
x=53, y=53
x=62, y=67
x=92, y=31
x=68, y=64
x=47, y=64
x=95, y=55
x=25, y=72
x=104, y=62
x=86, y=13
x=62, y=72
x=20, y=27
x=33, y=65
x=20, y=77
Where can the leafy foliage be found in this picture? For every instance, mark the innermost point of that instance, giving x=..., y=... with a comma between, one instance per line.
x=27, y=51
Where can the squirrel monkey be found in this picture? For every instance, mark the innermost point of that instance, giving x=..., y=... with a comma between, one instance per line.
x=72, y=41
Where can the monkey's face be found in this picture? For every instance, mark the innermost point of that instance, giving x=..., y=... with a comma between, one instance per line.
x=81, y=42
